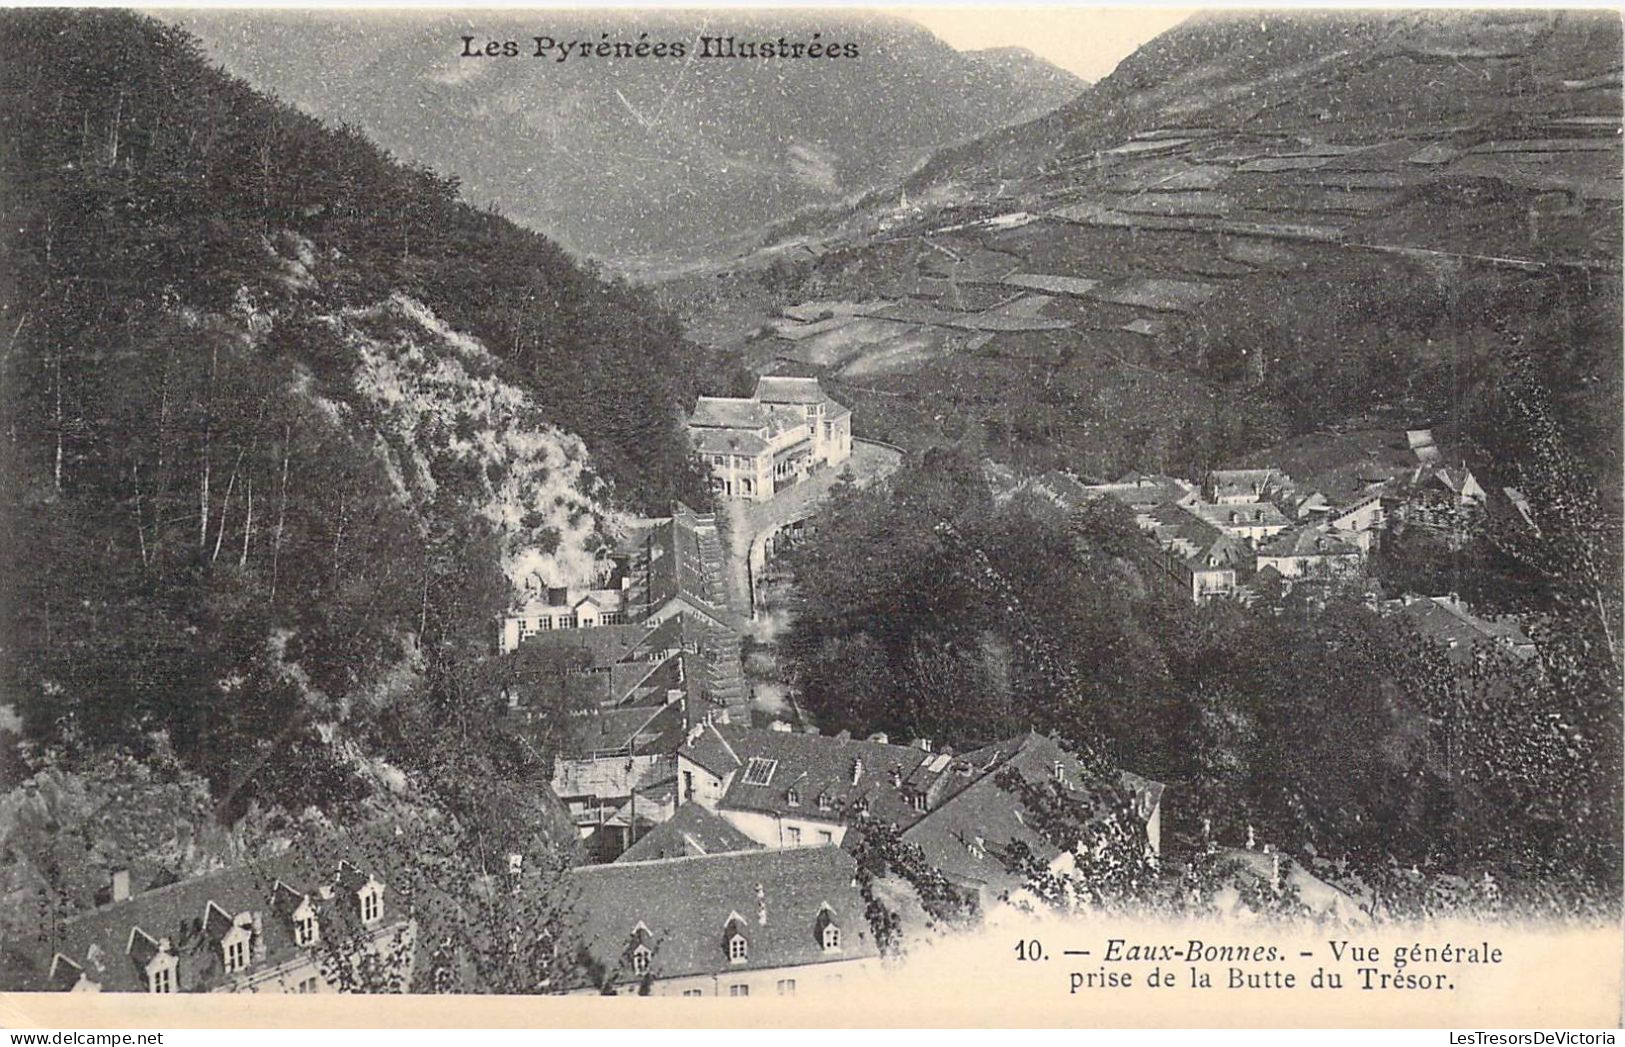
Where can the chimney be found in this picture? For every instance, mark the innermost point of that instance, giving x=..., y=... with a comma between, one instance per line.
x=857, y=771
x=256, y=926
x=761, y=905
x=121, y=885
x=923, y=744
x=674, y=694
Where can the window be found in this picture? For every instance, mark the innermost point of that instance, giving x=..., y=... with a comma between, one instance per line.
x=693, y=992
x=307, y=986
x=544, y=622
x=738, y=948
x=640, y=960
x=236, y=955
x=787, y=986
x=792, y=835
x=719, y=459
x=304, y=931
x=826, y=836
x=1059, y=771
x=372, y=905
x=162, y=978
x=760, y=770
x=919, y=801
x=612, y=618
x=831, y=937
x=739, y=990
x=566, y=621
x=825, y=802
x=793, y=798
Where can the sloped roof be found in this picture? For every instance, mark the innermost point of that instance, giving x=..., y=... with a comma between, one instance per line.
x=1202, y=545
x=106, y=944
x=692, y=830
x=783, y=389
x=729, y=441
x=1307, y=541
x=728, y=412
x=1257, y=514
x=775, y=898
x=966, y=836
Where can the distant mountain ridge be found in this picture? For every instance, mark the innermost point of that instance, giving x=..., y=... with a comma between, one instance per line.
x=618, y=156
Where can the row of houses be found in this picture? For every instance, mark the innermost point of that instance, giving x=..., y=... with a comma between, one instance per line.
x=759, y=445
x=285, y=925
x=1236, y=527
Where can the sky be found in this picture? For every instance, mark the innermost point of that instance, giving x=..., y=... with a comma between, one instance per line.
x=1086, y=41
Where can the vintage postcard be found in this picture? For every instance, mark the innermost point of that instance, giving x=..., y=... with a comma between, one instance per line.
x=815, y=517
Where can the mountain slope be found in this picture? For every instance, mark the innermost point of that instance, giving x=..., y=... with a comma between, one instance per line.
x=625, y=156
x=287, y=425
x=1257, y=226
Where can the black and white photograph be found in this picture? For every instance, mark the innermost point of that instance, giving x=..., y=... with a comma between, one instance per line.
x=873, y=515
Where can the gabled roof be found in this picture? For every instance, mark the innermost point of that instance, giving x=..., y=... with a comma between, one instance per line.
x=1307, y=541
x=1238, y=514
x=783, y=389
x=1201, y=545
x=816, y=766
x=775, y=898
x=692, y=830
x=113, y=944
x=729, y=441
x=728, y=412
x=966, y=836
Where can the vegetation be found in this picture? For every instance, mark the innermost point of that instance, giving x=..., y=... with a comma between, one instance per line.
x=224, y=549
x=928, y=610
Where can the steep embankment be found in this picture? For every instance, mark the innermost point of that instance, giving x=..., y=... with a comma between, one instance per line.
x=1257, y=226
x=287, y=425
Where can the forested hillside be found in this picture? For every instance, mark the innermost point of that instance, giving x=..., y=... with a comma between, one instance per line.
x=285, y=422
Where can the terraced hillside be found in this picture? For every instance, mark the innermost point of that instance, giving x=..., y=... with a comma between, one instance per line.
x=1256, y=227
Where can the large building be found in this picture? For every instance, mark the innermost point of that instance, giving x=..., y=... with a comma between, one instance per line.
x=758, y=446
x=281, y=926
x=739, y=923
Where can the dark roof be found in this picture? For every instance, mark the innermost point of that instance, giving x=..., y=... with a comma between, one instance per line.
x=603, y=644
x=966, y=835
x=112, y=944
x=685, y=562
x=1198, y=542
x=1258, y=514
x=684, y=909
x=692, y=830
x=1443, y=620
x=814, y=766
x=729, y=441
x=1307, y=541
x=783, y=389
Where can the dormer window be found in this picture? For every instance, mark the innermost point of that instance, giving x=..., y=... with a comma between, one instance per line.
x=738, y=948
x=918, y=800
x=371, y=897
x=862, y=806
x=161, y=974
x=825, y=802
x=234, y=949
x=1059, y=771
x=793, y=798
x=832, y=938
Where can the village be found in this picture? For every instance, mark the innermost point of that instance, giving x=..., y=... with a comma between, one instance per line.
x=1053, y=323
x=681, y=784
